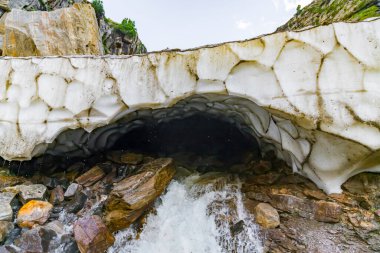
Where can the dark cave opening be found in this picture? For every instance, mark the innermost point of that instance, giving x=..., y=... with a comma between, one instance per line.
x=201, y=140
x=201, y=135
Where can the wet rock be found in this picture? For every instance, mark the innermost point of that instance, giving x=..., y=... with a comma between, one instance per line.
x=34, y=212
x=139, y=190
x=92, y=235
x=71, y=190
x=91, y=177
x=38, y=240
x=6, y=212
x=120, y=219
x=31, y=192
x=57, y=195
x=133, y=195
x=266, y=216
x=77, y=203
x=327, y=211
x=237, y=228
x=5, y=228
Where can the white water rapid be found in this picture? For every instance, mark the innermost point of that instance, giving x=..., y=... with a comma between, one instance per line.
x=195, y=216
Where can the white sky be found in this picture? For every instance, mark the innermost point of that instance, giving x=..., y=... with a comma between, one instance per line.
x=191, y=23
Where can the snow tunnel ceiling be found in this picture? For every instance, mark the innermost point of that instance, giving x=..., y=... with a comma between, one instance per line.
x=312, y=95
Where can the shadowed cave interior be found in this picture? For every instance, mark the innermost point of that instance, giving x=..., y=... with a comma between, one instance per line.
x=203, y=141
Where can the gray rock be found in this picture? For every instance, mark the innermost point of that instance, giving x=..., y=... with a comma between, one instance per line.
x=6, y=212
x=7, y=197
x=71, y=190
x=30, y=192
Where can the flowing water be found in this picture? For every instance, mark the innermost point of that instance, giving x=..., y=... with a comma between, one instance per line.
x=195, y=215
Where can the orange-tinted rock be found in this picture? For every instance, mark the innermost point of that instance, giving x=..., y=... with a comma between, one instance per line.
x=327, y=211
x=266, y=216
x=34, y=212
x=90, y=177
x=92, y=235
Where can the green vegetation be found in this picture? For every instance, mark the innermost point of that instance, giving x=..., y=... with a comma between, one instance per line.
x=324, y=12
x=127, y=26
x=98, y=7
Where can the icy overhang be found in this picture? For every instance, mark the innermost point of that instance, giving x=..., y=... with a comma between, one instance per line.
x=313, y=94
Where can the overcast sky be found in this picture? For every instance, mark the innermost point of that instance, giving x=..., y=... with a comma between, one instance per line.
x=191, y=23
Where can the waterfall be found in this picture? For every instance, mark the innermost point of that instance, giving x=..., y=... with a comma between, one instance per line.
x=194, y=217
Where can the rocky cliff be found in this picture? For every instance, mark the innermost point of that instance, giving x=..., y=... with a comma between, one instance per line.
x=62, y=27
x=324, y=12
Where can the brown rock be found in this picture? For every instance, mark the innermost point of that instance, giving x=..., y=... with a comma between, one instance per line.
x=132, y=196
x=121, y=219
x=92, y=236
x=4, y=4
x=266, y=179
x=267, y=216
x=327, y=211
x=131, y=158
x=5, y=228
x=123, y=157
x=344, y=199
x=262, y=167
x=90, y=177
x=315, y=194
x=292, y=204
x=67, y=31
x=6, y=181
x=140, y=190
x=34, y=212
x=363, y=183
x=57, y=195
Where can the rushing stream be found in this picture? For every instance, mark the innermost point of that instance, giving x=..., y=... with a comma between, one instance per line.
x=195, y=216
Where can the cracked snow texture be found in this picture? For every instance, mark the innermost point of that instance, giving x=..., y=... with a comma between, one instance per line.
x=314, y=94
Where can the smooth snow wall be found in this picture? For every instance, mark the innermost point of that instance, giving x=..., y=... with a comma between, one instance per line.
x=323, y=82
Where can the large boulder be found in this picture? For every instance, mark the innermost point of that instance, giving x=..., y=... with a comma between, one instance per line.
x=92, y=235
x=133, y=195
x=67, y=31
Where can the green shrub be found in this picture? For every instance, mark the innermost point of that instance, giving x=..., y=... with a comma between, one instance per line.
x=127, y=26
x=98, y=7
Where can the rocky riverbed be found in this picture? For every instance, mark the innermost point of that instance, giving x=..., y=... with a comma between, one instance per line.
x=62, y=205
